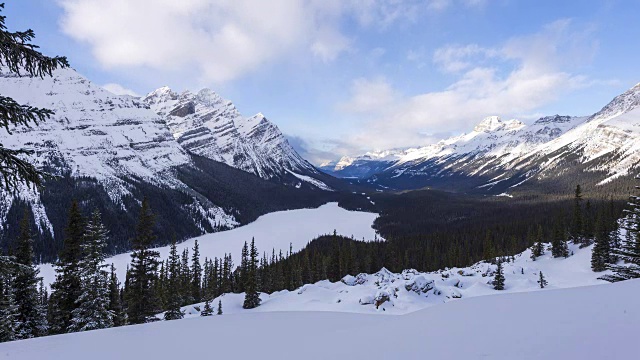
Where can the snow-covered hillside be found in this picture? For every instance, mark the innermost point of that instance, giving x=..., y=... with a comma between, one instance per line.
x=208, y=125
x=512, y=152
x=385, y=292
x=591, y=322
x=277, y=230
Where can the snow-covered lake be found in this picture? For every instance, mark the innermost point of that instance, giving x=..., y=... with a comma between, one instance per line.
x=271, y=231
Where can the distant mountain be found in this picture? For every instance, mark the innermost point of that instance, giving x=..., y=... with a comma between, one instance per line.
x=362, y=166
x=201, y=164
x=205, y=124
x=499, y=155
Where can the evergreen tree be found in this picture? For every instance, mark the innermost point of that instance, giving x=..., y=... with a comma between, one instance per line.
x=219, y=307
x=67, y=286
x=92, y=310
x=559, y=246
x=142, y=273
x=487, y=247
x=207, y=310
x=185, y=279
x=196, y=274
x=244, y=268
x=31, y=321
x=601, y=254
x=537, y=249
x=252, y=298
x=629, y=249
x=498, y=279
x=542, y=281
x=577, y=224
x=115, y=303
x=8, y=307
x=173, y=289
x=18, y=55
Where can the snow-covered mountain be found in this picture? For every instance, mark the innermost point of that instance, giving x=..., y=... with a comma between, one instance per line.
x=110, y=151
x=499, y=154
x=205, y=124
x=363, y=166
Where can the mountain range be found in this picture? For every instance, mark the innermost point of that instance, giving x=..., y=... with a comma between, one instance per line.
x=202, y=165
x=499, y=155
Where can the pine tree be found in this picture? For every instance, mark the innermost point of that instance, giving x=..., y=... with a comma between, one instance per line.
x=207, y=310
x=92, y=310
x=174, y=299
x=559, y=246
x=542, y=281
x=196, y=274
x=219, y=307
x=252, y=298
x=601, y=254
x=18, y=55
x=537, y=249
x=143, y=271
x=577, y=224
x=8, y=307
x=629, y=249
x=115, y=303
x=67, y=286
x=31, y=320
x=244, y=267
x=498, y=279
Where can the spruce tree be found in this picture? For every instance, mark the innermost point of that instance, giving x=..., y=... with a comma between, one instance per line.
x=498, y=279
x=601, y=253
x=219, y=307
x=196, y=274
x=31, y=320
x=141, y=301
x=67, y=286
x=8, y=307
x=542, y=281
x=537, y=249
x=252, y=298
x=19, y=56
x=92, y=311
x=115, y=303
x=629, y=250
x=559, y=246
x=174, y=299
x=577, y=224
x=207, y=310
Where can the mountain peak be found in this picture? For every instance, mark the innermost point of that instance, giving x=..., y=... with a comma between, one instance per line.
x=488, y=124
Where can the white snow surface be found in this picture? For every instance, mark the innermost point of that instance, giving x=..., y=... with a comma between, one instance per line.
x=591, y=322
x=276, y=230
x=411, y=290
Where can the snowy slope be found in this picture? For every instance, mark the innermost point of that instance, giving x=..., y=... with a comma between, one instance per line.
x=512, y=152
x=277, y=230
x=208, y=125
x=411, y=290
x=593, y=322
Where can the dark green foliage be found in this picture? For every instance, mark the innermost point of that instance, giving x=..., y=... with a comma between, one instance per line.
x=19, y=55
x=115, y=301
x=174, y=290
x=542, y=281
x=576, y=233
x=67, y=286
x=601, y=254
x=219, y=312
x=30, y=321
x=559, y=247
x=252, y=298
x=141, y=300
x=498, y=279
x=207, y=310
x=196, y=274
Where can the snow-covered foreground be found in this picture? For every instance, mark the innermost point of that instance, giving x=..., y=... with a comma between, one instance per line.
x=271, y=231
x=593, y=322
x=411, y=290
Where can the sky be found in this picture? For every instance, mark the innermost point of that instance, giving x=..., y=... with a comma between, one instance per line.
x=342, y=77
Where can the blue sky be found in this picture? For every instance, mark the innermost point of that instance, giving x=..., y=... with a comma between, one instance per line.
x=344, y=77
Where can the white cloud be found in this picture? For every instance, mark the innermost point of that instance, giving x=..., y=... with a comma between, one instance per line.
x=220, y=40
x=528, y=72
x=119, y=89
